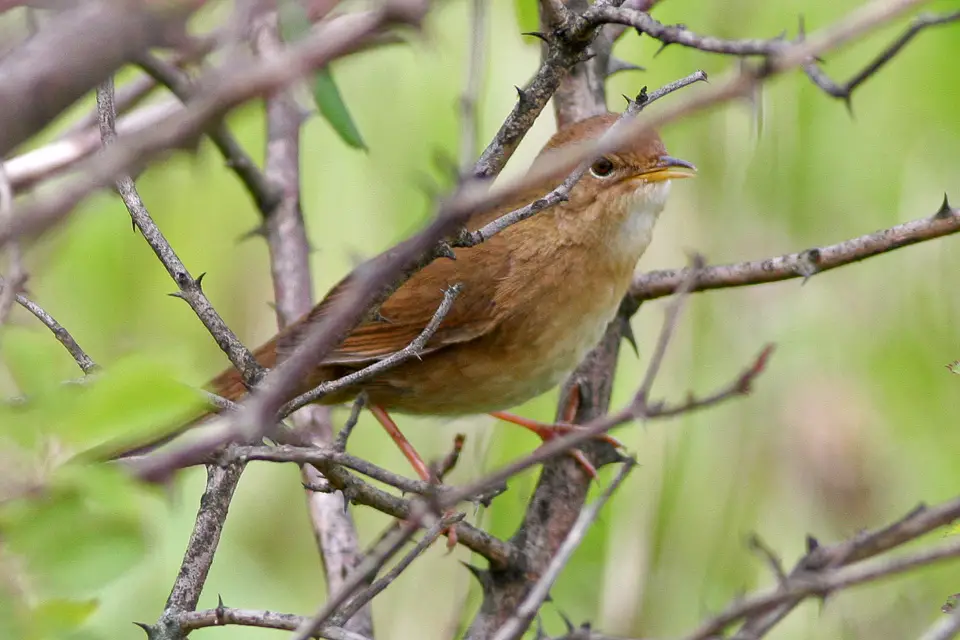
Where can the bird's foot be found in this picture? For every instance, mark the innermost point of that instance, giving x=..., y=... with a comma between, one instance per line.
x=548, y=432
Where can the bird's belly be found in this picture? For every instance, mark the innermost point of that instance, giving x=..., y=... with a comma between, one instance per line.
x=513, y=364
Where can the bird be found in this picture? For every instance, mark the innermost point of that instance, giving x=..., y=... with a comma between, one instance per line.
x=533, y=299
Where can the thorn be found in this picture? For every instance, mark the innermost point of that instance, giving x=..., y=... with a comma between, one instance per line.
x=446, y=164
x=200, y=280
x=566, y=621
x=801, y=27
x=260, y=231
x=812, y=544
x=521, y=95
x=586, y=56
x=147, y=629
x=177, y=294
x=220, y=611
x=628, y=99
x=133, y=226
x=848, y=103
x=482, y=575
x=537, y=34
x=945, y=210
x=618, y=65
x=540, y=633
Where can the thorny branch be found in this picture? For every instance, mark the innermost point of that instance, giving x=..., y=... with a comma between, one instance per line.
x=805, y=264
x=189, y=287
x=285, y=231
x=86, y=364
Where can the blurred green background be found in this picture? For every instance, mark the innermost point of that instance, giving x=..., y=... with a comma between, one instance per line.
x=851, y=426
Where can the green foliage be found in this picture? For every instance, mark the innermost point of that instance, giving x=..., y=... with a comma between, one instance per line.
x=294, y=24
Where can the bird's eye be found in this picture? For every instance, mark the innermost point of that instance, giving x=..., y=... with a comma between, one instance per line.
x=602, y=168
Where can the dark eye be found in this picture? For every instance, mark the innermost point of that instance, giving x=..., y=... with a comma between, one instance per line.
x=602, y=168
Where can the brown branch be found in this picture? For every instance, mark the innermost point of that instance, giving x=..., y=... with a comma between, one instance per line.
x=222, y=616
x=804, y=264
x=52, y=159
x=333, y=526
x=16, y=276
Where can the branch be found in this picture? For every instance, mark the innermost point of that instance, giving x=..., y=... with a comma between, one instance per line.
x=86, y=364
x=189, y=288
x=266, y=194
x=193, y=620
x=228, y=88
x=823, y=562
x=412, y=350
x=476, y=63
x=656, y=284
x=286, y=234
x=518, y=622
x=221, y=483
x=362, y=598
x=39, y=81
x=843, y=92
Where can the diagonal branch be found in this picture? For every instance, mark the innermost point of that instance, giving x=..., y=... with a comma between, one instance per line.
x=517, y=624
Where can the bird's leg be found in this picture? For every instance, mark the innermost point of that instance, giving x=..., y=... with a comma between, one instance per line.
x=415, y=460
x=558, y=429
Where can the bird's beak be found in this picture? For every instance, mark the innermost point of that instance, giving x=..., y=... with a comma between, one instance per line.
x=668, y=168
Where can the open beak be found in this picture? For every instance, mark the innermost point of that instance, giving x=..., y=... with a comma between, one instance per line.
x=668, y=168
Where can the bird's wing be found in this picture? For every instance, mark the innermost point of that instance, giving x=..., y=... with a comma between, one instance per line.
x=406, y=313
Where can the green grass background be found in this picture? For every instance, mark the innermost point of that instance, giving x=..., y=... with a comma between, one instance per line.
x=853, y=424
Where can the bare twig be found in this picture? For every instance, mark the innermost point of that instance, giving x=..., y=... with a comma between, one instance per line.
x=412, y=350
x=517, y=624
x=189, y=288
x=286, y=234
x=804, y=264
x=86, y=364
x=192, y=620
x=221, y=483
x=229, y=88
x=378, y=556
x=360, y=600
x=844, y=91
x=476, y=63
x=638, y=409
x=39, y=82
x=671, y=318
x=809, y=584
x=265, y=193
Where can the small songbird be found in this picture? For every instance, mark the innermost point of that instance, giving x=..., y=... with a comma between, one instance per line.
x=534, y=299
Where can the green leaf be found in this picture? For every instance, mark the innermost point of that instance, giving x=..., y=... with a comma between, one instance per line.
x=294, y=24
x=528, y=18
x=331, y=106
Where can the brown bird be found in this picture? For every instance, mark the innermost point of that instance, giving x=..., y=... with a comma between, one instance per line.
x=534, y=299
